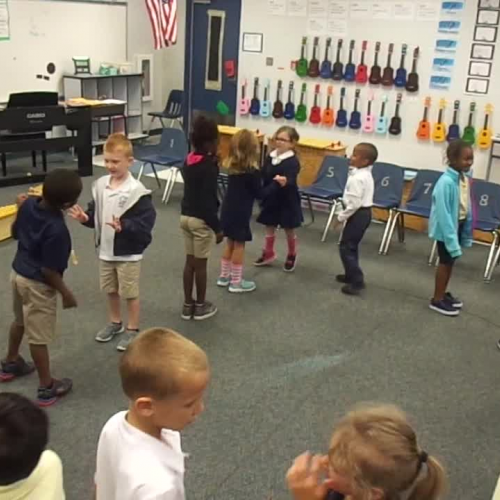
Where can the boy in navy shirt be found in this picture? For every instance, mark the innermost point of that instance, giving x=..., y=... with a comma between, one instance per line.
x=42, y=257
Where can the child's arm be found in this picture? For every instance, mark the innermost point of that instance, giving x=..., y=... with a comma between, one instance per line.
x=291, y=171
x=352, y=199
x=55, y=280
x=143, y=219
x=86, y=218
x=210, y=194
x=442, y=206
x=20, y=199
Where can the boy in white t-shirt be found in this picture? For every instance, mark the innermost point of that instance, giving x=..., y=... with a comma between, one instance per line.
x=139, y=456
x=27, y=470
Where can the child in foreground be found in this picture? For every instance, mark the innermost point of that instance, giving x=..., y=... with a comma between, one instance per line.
x=450, y=223
x=28, y=471
x=43, y=251
x=281, y=203
x=139, y=455
x=200, y=216
x=357, y=215
x=244, y=186
x=123, y=216
x=374, y=454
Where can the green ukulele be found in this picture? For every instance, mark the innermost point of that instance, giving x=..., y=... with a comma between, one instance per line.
x=302, y=63
x=469, y=136
x=301, y=114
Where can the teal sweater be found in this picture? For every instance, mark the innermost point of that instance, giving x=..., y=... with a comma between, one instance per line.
x=443, y=223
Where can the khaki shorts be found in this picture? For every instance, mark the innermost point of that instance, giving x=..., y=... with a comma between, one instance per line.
x=35, y=308
x=120, y=277
x=198, y=237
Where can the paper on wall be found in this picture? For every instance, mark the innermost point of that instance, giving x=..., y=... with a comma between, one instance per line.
x=446, y=45
x=427, y=11
x=443, y=64
x=337, y=28
x=297, y=8
x=381, y=10
x=4, y=21
x=276, y=7
x=338, y=9
x=318, y=8
x=449, y=26
x=360, y=10
x=439, y=82
x=316, y=26
x=452, y=9
x=404, y=11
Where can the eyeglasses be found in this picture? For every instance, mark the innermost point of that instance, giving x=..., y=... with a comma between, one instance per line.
x=281, y=139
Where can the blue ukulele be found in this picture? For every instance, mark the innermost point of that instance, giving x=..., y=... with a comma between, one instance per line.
x=382, y=121
x=400, y=80
x=355, y=120
x=289, y=113
x=342, y=120
x=326, y=66
x=255, y=102
x=350, y=67
x=454, y=130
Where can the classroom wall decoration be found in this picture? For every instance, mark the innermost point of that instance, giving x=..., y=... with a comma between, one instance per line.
x=4, y=21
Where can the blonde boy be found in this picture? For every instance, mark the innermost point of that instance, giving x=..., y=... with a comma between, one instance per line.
x=123, y=216
x=139, y=455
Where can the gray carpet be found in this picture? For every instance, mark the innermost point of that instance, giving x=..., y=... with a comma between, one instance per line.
x=289, y=359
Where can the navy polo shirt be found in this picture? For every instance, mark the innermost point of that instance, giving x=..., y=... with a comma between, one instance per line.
x=44, y=240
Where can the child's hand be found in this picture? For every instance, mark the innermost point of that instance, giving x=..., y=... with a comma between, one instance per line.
x=20, y=199
x=304, y=477
x=219, y=237
x=336, y=223
x=115, y=224
x=76, y=212
x=69, y=301
x=281, y=180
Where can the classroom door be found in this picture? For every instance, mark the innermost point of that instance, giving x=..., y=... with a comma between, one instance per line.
x=212, y=44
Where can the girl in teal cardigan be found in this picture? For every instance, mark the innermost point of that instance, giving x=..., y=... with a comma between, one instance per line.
x=450, y=223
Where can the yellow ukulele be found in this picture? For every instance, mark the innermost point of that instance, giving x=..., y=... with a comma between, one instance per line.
x=485, y=135
x=439, y=131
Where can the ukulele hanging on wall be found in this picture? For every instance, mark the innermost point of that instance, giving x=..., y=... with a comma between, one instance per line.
x=369, y=120
x=439, y=131
x=395, y=126
x=388, y=74
x=342, y=120
x=350, y=67
x=301, y=113
x=255, y=102
x=376, y=71
x=412, y=84
x=315, y=116
x=470, y=131
x=278, y=103
x=328, y=118
x=289, y=113
x=265, y=105
x=355, y=120
x=313, y=70
x=302, y=65
x=382, y=121
x=326, y=66
x=401, y=74
x=454, y=130
x=424, y=129
x=244, y=106
x=362, y=71
x=338, y=66
x=485, y=135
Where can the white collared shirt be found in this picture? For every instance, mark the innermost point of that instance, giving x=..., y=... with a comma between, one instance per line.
x=132, y=465
x=464, y=197
x=276, y=159
x=358, y=191
x=114, y=200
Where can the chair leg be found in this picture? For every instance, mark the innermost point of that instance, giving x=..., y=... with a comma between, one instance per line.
x=491, y=255
x=401, y=229
x=493, y=264
x=175, y=174
x=388, y=240
x=311, y=209
x=386, y=230
x=167, y=186
x=329, y=221
x=150, y=126
x=44, y=160
x=33, y=158
x=432, y=256
x=4, y=164
x=156, y=175
x=141, y=170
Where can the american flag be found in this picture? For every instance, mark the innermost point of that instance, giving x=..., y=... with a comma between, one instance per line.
x=163, y=16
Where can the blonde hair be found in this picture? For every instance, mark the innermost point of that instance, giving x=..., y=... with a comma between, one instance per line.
x=119, y=142
x=376, y=447
x=155, y=363
x=244, y=152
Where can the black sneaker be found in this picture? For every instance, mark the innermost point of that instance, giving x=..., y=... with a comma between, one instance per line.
x=13, y=369
x=444, y=307
x=290, y=263
x=350, y=289
x=456, y=303
x=204, y=311
x=265, y=259
x=341, y=278
x=47, y=396
x=187, y=311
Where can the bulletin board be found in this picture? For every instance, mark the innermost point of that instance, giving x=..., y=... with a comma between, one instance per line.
x=421, y=24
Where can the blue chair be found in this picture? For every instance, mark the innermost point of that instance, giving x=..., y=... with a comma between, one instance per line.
x=328, y=187
x=169, y=155
x=389, y=182
x=418, y=204
x=173, y=110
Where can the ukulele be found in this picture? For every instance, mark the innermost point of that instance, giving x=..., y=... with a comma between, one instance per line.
x=244, y=107
x=326, y=66
x=338, y=67
x=289, y=113
x=485, y=136
x=301, y=114
x=255, y=103
x=328, y=118
x=278, y=103
x=355, y=120
x=412, y=82
x=376, y=71
x=388, y=74
x=313, y=70
x=454, y=130
x=381, y=127
x=341, y=120
x=395, y=126
x=362, y=71
x=302, y=67
x=369, y=121
x=469, y=131
x=400, y=80
x=315, y=116
x=265, y=105
x=350, y=67
x=439, y=130
x=424, y=131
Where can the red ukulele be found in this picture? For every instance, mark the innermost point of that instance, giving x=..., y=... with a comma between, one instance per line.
x=315, y=116
x=362, y=71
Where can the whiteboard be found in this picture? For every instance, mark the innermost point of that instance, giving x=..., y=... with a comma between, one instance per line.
x=52, y=32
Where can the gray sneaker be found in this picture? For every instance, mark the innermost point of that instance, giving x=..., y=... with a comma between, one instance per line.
x=187, y=311
x=204, y=311
x=109, y=332
x=125, y=341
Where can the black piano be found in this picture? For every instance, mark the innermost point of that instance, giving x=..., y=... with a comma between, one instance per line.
x=24, y=124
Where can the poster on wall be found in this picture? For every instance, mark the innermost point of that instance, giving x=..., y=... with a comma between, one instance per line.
x=381, y=10
x=318, y=8
x=297, y=8
x=276, y=7
x=452, y=10
x=360, y=10
x=4, y=21
x=427, y=11
x=316, y=26
x=337, y=28
x=404, y=11
x=477, y=86
x=489, y=4
x=338, y=9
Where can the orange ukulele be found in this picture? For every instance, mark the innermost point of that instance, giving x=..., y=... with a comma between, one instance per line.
x=328, y=118
x=424, y=130
x=485, y=135
x=439, y=130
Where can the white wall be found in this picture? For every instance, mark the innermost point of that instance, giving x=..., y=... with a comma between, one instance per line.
x=282, y=36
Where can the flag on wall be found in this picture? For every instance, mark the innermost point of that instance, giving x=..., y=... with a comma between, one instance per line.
x=163, y=16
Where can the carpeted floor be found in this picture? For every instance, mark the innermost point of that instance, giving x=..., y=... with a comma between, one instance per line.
x=289, y=359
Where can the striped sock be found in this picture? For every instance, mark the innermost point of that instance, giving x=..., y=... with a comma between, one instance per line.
x=292, y=245
x=269, y=244
x=225, y=268
x=236, y=274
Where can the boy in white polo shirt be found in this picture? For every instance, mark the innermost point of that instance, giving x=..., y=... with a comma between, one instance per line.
x=123, y=216
x=139, y=455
